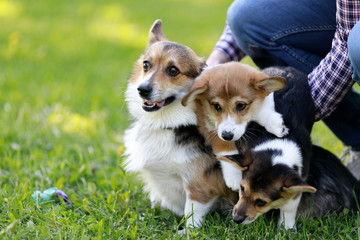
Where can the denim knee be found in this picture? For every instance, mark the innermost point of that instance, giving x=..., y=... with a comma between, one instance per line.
x=354, y=51
x=241, y=15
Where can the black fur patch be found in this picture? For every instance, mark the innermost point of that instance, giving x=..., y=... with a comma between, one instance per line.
x=185, y=135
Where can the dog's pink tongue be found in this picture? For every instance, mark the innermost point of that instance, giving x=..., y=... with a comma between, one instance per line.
x=160, y=104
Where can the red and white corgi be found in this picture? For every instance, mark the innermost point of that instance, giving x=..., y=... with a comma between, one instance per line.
x=163, y=143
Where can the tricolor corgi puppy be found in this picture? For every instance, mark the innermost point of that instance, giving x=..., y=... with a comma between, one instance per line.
x=228, y=97
x=163, y=143
x=270, y=181
x=275, y=170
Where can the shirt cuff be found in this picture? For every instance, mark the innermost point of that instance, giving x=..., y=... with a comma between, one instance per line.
x=228, y=45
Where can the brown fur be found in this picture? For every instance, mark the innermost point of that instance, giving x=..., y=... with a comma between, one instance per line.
x=227, y=85
x=207, y=181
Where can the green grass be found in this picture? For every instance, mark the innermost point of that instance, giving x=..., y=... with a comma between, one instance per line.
x=63, y=72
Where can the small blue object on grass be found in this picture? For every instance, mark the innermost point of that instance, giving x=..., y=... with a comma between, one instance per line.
x=49, y=194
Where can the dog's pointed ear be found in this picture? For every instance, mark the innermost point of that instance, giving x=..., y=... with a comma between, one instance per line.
x=156, y=33
x=294, y=184
x=200, y=86
x=240, y=160
x=268, y=84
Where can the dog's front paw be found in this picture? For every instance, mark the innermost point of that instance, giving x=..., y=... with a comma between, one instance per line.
x=283, y=131
x=277, y=126
x=232, y=175
x=181, y=232
x=288, y=227
x=233, y=182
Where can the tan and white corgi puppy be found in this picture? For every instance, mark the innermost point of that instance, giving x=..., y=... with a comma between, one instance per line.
x=228, y=97
x=163, y=144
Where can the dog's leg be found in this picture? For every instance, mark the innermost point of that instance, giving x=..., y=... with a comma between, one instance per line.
x=288, y=213
x=231, y=174
x=196, y=211
x=270, y=119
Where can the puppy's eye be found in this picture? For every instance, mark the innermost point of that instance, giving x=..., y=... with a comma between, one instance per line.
x=242, y=190
x=146, y=66
x=240, y=107
x=173, y=71
x=217, y=107
x=259, y=202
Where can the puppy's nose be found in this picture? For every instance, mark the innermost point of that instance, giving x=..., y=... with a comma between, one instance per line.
x=144, y=90
x=239, y=219
x=228, y=136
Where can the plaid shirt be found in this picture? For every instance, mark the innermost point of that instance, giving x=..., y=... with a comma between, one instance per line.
x=331, y=79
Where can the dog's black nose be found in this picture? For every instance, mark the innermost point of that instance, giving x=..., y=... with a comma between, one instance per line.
x=239, y=219
x=228, y=136
x=144, y=89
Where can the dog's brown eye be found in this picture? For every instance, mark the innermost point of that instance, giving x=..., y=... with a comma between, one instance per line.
x=240, y=107
x=146, y=66
x=173, y=71
x=259, y=202
x=242, y=190
x=217, y=107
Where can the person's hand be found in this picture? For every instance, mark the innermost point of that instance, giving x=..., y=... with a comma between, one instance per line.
x=217, y=57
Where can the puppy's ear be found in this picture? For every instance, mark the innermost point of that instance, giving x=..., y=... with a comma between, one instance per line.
x=241, y=161
x=200, y=86
x=294, y=184
x=156, y=33
x=268, y=84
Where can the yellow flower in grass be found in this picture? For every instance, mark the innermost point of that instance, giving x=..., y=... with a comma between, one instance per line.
x=78, y=123
x=71, y=122
x=120, y=150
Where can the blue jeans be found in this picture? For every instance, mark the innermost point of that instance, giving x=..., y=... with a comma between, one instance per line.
x=354, y=51
x=299, y=34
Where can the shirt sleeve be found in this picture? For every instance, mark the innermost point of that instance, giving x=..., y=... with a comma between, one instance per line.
x=227, y=45
x=331, y=79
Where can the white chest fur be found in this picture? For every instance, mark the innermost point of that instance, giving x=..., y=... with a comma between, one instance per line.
x=161, y=162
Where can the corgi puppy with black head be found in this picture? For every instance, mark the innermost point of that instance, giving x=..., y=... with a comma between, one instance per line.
x=163, y=144
x=228, y=97
x=271, y=183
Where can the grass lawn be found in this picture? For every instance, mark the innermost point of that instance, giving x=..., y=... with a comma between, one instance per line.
x=63, y=71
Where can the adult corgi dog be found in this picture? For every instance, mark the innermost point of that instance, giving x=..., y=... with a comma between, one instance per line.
x=275, y=170
x=228, y=97
x=163, y=144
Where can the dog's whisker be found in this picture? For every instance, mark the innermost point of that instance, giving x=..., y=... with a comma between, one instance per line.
x=211, y=136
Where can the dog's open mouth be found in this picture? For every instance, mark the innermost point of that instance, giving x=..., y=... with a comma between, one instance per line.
x=154, y=106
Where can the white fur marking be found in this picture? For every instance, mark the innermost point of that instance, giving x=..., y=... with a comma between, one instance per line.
x=226, y=153
x=288, y=213
x=291, y=155
x=232, y=175
x=196, y=211
x=229, y=125
x=148, y=77
x=267, y=117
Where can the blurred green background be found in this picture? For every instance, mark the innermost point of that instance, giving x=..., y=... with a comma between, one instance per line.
x=63, y=72
x=66, y=63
